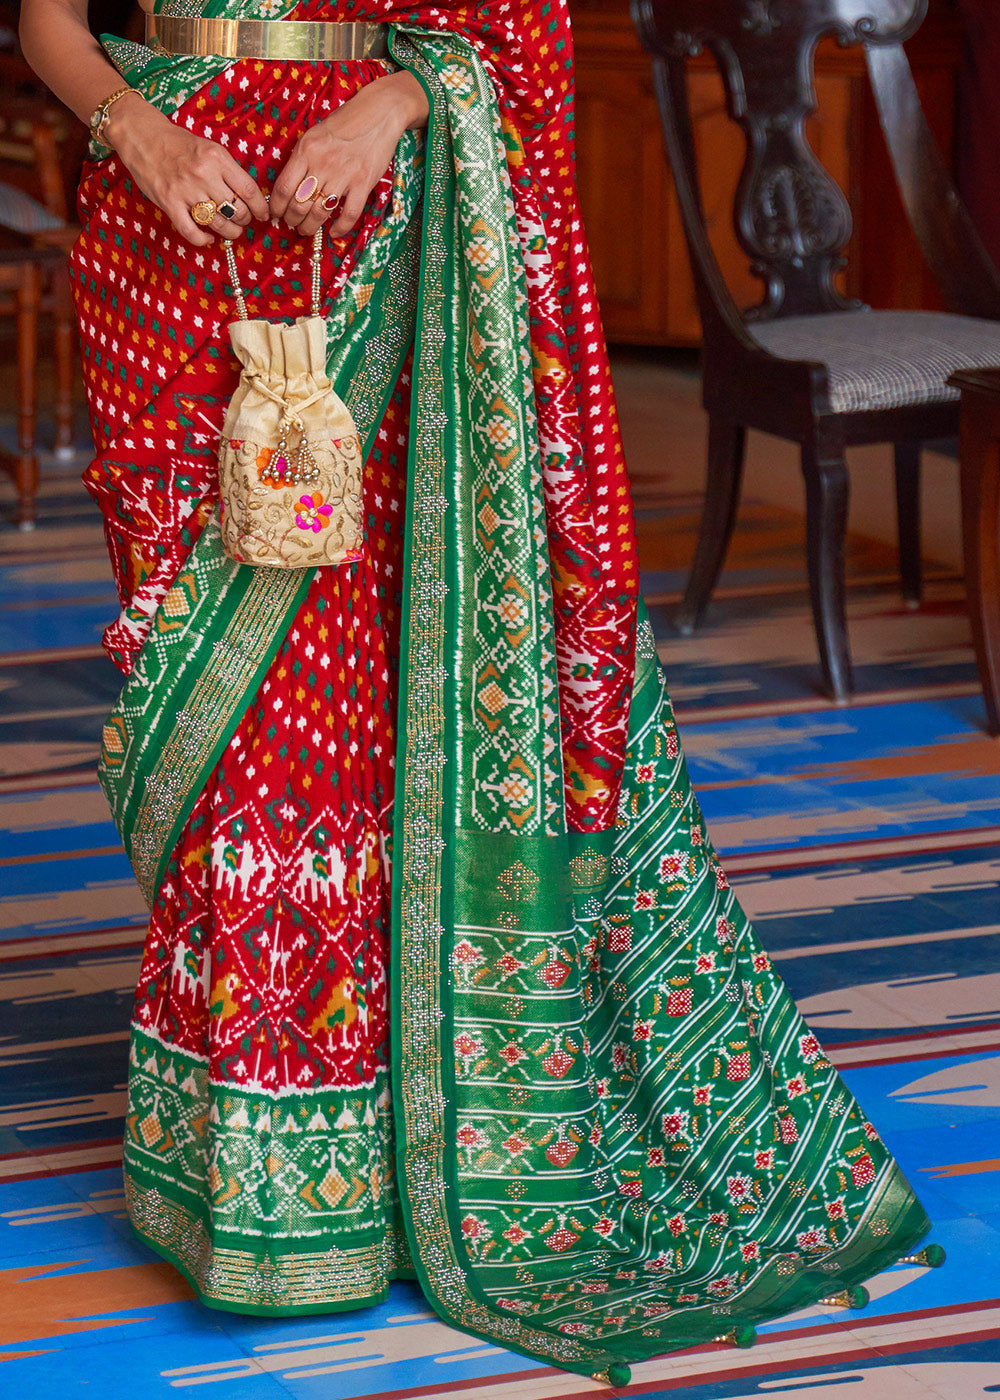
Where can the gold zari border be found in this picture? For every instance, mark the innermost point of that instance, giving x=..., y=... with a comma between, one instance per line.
x=238, y=1277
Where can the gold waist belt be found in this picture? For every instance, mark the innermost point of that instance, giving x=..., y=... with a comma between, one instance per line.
x=311, y=41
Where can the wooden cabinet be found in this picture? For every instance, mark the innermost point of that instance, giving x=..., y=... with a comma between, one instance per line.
x=633, y=223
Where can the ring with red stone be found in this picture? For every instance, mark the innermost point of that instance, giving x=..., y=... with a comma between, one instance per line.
x=306, y=191
x=330, y=202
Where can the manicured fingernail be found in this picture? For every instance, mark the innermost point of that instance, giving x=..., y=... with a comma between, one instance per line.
x=306, y=190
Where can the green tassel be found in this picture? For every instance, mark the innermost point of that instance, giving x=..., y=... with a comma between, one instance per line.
x=847, y=1298
x=744, y=1336
x=617, y=1375
x=931, y=1258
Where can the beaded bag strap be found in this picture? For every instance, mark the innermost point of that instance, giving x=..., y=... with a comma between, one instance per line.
x=234, y=276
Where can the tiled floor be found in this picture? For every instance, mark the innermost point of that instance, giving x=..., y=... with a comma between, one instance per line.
x=865, y=841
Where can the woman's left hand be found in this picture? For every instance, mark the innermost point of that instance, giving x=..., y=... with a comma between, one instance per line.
x=344, y=156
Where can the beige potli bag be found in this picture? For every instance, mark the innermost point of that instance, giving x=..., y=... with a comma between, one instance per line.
x=289, y=460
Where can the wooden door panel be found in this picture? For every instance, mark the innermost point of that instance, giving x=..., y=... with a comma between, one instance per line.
x=622, y=189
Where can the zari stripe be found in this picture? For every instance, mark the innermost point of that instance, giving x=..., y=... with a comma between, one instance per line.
x=239, y=1188
x=240, y=1280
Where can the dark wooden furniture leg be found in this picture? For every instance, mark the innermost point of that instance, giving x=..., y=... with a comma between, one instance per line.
x=980, y=475
x=726, y=452
x=826, y=524
x=26, y=464
x=907, y=455
x=65, y=361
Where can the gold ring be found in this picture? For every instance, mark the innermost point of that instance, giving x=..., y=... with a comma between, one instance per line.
x=329, y=201
x=204, y=211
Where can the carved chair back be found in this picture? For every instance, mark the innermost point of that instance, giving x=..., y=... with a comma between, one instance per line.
x=791, y=218
x=41, y=150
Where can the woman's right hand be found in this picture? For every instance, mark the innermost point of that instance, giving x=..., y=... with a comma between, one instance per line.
x=172, y=167
x=176, y=169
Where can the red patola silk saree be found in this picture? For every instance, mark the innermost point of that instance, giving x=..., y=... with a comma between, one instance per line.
x=443, y=976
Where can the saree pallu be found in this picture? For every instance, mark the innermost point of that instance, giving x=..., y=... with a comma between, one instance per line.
x=605, y=1132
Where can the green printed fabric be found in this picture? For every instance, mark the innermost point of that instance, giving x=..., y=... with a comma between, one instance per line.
x=615, y=1134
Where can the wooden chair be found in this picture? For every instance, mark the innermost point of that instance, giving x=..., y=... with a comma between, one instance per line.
x=22, y=270
x=980, y=477
x=39, y=151
x=806, y=364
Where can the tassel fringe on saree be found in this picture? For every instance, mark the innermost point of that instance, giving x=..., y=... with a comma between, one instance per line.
x=603, y=1131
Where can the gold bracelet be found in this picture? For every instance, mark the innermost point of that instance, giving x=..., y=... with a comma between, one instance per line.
x=101, y=113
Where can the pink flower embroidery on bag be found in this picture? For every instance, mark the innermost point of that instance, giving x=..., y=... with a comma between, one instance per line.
x=315, y=513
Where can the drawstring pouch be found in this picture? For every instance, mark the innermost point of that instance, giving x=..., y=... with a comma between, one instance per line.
x=289, y=459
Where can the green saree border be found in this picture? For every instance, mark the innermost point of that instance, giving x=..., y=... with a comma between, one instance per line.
x=419, y=900
x=169, y=773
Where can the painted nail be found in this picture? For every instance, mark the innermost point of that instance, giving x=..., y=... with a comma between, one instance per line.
x=306, y=190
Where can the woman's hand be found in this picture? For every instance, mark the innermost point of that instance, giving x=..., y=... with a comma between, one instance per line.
x=176, y=169
x=172, y=167
x=343, y=157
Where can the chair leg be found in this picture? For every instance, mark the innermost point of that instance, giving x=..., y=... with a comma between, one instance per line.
x=826, y=524
x=726, y=451
x=26, y=464
x=65, y=362
x=907, y=455
x=980, y=475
